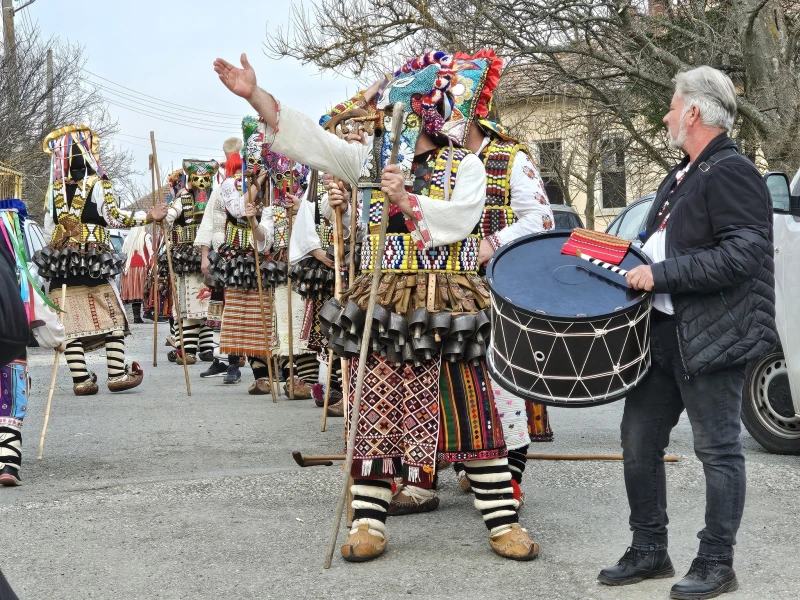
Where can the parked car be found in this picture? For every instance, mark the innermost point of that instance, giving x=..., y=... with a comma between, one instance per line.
x=566, y=217
x=771, y=395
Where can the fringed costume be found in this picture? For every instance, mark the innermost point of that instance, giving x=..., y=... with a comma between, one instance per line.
x=80, y=206
x=427, y=395
x=138, y=249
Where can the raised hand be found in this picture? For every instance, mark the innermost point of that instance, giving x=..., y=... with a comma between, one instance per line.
x=241, y=82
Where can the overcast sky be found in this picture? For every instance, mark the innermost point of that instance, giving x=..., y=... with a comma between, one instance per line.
x=166, y=49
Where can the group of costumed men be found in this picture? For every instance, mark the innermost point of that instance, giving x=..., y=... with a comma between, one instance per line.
x=462, y=188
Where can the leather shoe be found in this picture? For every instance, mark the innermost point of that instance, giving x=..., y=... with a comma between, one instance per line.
x=515, y=543
x=637, y=565
x=707, y=578
x=362, y=545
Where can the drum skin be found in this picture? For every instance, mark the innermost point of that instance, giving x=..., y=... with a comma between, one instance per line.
x=565, y=332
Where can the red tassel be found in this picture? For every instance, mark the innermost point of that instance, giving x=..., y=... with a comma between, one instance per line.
x=517, y=491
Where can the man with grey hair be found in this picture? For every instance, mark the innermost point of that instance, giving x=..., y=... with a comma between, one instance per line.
x=709, y=237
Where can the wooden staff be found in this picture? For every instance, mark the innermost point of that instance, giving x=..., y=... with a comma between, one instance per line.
x=326, y=460
x=154, y=269
x=397, y=117
x=338, y=259
x=267, y=355
x=289, y=217
x=351, y=275
x=175, y=300
x=55, y=372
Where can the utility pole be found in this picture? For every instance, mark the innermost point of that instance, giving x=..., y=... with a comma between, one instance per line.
x=50, y=125
x=9, y=40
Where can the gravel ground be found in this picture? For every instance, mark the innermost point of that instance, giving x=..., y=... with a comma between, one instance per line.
x=150, y=494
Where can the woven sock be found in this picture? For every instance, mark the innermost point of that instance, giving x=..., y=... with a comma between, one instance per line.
x=137, y=310
x=115, y=353
x=259, y=366
x=517, y=462
x=191, y=333
x=494, y=495
x=10, y=447
x=307, y=368
x=371, y=498
x=172, y=331
x=206, y=338
x=76, y=361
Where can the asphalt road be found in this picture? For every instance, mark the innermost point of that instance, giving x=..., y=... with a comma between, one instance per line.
x=150, y=494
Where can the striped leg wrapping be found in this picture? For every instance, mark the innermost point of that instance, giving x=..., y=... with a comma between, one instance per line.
x=115, y=354
x=191, y=334
x=517, y=462
x=307, y=368
x=10, y=447
x=494, y=496
x=76, y=361
x=206, y=339
x=371, y=498
x=259, y=366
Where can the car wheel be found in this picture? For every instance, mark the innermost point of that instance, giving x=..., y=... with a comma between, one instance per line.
x=767, y=409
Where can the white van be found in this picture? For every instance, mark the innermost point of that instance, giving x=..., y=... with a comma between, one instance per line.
x=771, y=395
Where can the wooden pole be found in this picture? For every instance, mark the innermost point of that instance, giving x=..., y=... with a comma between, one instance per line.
x=175, y=300
x=397, y=116
x=338, y=259
x=289, y=328
x=272, y=362
x=327, y=459
x=351, y=274
x=154, y=270
x=253, y=227
x=53, y=378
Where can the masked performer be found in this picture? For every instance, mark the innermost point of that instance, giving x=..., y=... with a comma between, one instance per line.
x=80, y=206
x=39, y=316
x=232, y=266
x=427, y=408
x=516, y=205
x=138, y=249
x=210, y=235
x=184, y=215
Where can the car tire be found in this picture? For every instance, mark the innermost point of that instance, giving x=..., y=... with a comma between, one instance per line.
x=767, y=409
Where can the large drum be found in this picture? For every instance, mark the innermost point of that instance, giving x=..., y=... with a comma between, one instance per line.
x=565, y=332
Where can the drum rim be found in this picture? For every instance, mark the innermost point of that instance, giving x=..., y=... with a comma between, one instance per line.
x=561, y=318
x=528, y=396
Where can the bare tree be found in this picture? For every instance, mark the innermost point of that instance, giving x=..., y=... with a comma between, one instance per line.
x=618, y=55
x=25, y=118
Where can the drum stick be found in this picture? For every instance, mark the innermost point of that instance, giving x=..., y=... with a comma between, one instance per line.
x=53, y=379
x=600, y=263
x=397, y=116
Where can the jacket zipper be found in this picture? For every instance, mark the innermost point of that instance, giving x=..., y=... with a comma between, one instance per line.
x=686, y=375
x=730, y=314
x=667, y=249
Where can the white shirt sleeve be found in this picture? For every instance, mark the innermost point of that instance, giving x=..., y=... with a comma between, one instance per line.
x=175, y=209
x=305, y=238
x=52, y=334
x=528, y=200
x=206, y=229
x=266, y=225
x=232, y=198
x=49, y=225
x=302, y=139
x=114, y=216
x=218, y=221
x=440, y=223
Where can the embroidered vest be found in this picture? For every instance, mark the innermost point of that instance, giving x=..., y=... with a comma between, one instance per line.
x=402, y=254
x=69, y=217
x=193, y=205
x=498, y=158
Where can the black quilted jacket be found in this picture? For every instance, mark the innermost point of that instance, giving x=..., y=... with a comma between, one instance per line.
x=719, y=267
x=14, y=329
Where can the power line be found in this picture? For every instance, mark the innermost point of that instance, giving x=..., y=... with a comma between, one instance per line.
x=166, y=150
x=156, y=107
x=173, y=121
x=140, y=137
x=208, y=112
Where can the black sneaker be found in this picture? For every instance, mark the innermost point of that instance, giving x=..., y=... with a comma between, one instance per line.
x=215, y=369
x=637, y=565
x=206, y=355
x=233, y=374
x=707, y=578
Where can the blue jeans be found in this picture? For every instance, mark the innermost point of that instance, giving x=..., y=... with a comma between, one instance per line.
x=713, y=402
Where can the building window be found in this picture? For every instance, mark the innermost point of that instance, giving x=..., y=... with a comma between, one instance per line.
x=550, y=170
x=613, y=173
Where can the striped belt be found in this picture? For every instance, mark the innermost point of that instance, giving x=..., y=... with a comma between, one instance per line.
x=238, y=236
x=184, y=234
x=402, y=256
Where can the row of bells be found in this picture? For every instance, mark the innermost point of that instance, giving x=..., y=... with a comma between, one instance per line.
x=312, y=278
x=70, y=261
x=400, y=339
x=239, y=270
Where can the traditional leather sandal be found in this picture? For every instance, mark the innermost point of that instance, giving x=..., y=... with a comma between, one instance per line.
x=409, y=500
x=132, y=377
x=362, y=545
x=514, y=543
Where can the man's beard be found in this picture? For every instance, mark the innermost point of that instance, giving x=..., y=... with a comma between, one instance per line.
x=677, y=142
